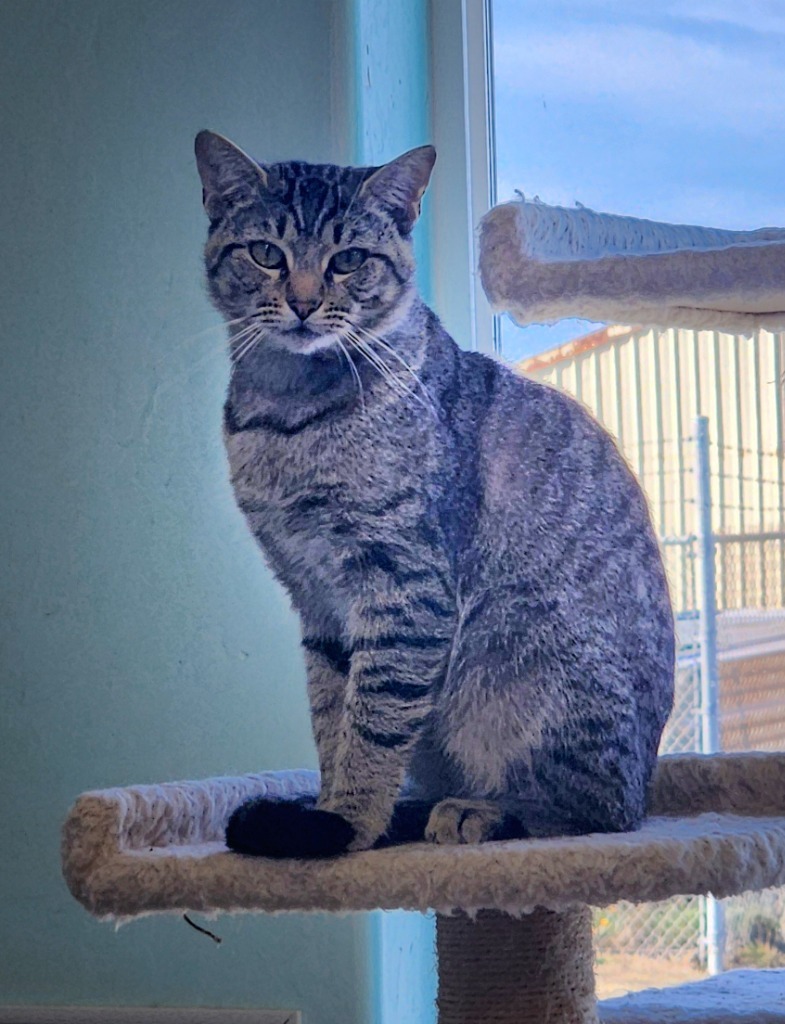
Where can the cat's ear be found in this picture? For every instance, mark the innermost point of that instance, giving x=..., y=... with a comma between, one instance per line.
x=227, y=173
x=399, y=185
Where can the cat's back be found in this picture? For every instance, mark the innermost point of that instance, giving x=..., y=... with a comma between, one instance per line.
x=527, y=433
x=555, y=491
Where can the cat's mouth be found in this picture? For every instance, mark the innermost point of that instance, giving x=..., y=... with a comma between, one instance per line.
x=303, y=331
x=305, y=339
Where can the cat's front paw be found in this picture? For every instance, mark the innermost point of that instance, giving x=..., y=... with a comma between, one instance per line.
x=288, y=828
x=464, y=821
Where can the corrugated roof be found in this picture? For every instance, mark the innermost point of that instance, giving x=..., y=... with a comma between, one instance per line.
x=573, y=348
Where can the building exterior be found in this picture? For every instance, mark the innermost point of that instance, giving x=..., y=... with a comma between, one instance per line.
x=647, y=387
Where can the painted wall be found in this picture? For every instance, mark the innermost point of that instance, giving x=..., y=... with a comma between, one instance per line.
x=391, y=94
x=142, y=638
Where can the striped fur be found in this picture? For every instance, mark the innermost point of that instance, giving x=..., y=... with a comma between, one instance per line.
x=484, y=610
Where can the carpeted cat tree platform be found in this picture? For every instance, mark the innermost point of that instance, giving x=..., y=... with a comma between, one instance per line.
x=513, y=925
x=543, y=263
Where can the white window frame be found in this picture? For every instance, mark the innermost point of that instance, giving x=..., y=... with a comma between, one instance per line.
x=481, y=152
x=463, y=129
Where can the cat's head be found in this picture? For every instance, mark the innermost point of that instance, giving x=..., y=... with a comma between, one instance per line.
x=309, y=253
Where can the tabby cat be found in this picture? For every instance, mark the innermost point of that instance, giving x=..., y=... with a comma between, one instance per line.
x=485, y=618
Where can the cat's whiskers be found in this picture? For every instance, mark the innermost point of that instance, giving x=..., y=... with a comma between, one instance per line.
x=239, y=353
x=258, y=319
x=220, y=326
x=247, y=320
x=372, y=337
x=249, y=344
x=357, y=344
x=354, y=370
x=337, y=324
x=381, y=366
x=170, y=376
x=244, y=330
x=386, y=372
x=164, y=364
x=238, y=341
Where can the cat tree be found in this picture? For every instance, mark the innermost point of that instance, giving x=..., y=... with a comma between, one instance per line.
x=513, y=918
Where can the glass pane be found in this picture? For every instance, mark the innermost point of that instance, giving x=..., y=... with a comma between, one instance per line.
x=673, y=112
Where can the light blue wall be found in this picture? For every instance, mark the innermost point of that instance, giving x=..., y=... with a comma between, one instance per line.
x=391, y=93
x=142, y=638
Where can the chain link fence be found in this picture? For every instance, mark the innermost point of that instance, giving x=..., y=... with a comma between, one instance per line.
x=747, y=534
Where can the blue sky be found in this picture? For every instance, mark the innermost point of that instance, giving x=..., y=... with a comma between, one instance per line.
x=674, y=111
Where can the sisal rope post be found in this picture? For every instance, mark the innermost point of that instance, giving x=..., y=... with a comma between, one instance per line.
x=535, y=969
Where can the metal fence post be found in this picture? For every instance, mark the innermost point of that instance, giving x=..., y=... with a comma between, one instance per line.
x=709, y=673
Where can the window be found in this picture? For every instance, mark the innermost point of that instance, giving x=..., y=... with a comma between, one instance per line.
x=671, y=113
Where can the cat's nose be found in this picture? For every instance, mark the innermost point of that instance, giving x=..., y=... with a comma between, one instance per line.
x=304, y=307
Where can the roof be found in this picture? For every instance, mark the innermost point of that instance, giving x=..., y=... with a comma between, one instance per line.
x=575, y=347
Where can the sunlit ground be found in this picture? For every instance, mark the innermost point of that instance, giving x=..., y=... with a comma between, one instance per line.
x=619, y=973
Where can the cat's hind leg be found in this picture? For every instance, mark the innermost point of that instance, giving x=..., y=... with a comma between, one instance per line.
x=455, y=821
x=550, y=717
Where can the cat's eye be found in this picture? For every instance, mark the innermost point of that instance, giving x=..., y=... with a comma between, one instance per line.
x=267, y=255
x=347, y=261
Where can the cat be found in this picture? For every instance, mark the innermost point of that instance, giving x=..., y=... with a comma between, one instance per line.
x=486, y=623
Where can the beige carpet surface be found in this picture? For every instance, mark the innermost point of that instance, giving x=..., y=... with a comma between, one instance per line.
x=717, y=825
x=543, y=263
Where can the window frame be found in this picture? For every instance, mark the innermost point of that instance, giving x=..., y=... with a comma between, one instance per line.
x=465, y=184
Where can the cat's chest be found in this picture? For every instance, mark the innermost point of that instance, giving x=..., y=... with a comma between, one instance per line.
x=328, y=480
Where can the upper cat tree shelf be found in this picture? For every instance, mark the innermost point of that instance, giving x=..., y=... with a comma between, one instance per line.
x=717, y=825
x=543, y=263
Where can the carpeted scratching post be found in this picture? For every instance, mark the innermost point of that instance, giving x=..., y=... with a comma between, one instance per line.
x=514, y=938
x=500, y=969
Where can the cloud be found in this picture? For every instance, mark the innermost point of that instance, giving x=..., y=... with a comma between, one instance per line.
x=762, y=16
x=648, y=73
